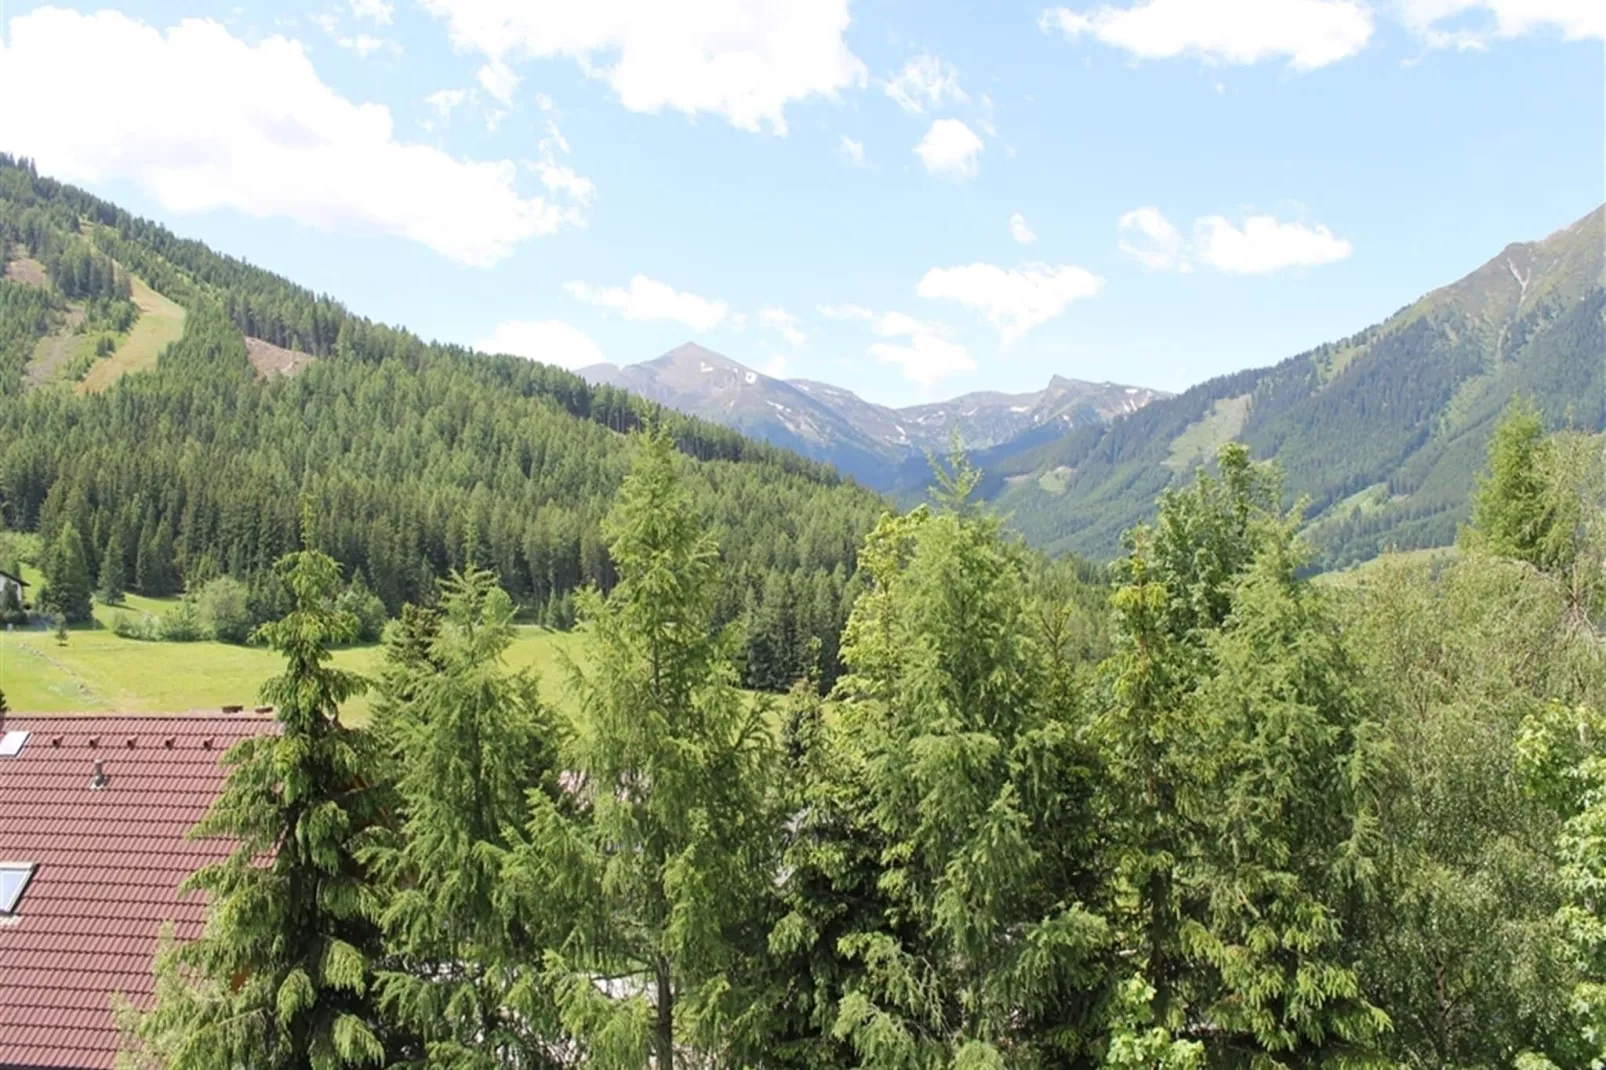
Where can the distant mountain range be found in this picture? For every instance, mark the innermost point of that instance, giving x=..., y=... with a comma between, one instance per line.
x=882, y=447
x=1382, y=433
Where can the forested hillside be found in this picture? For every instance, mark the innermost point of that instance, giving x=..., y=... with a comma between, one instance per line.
x=417, y=458
x=1381, y=432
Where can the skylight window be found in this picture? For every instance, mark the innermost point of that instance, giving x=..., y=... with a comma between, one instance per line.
x=11, y=743
x=14, y=878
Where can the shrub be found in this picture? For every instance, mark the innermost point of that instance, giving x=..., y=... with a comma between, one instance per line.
x=223, y=610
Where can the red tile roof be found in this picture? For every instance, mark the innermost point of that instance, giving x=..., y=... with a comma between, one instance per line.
x=109, y=863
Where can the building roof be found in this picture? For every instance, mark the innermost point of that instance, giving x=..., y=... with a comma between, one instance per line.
x=108, y=863
x=18, y=580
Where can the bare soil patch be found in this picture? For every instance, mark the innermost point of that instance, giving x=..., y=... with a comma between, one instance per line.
x=270, y=360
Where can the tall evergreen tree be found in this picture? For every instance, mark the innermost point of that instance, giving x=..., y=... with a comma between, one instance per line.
x=66, y=592
x=1240, y=762
x=985, y=944
x=666, y=872
x=281, y=977
x=1511, y=516
x=470, y=741
x=113, y=569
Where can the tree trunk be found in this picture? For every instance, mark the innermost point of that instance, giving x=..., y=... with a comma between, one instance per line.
x=666, y=1018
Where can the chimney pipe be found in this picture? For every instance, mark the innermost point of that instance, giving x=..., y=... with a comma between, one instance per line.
x=97, y=779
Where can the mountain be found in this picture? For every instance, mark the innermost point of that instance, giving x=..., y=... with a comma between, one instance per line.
x=1382, y=433
x=882, y=447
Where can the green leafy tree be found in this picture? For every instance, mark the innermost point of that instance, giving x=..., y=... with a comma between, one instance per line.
x=282, y=975
x=985, y=945
x=67, y=582
x=470, y=741
x=669, y=866
x=222, y=609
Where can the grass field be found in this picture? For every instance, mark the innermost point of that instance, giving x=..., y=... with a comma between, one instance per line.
x=1199, y=443
x=160, y=322
x=99, y=672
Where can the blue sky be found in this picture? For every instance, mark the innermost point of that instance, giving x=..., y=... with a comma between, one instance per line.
x=911, y=199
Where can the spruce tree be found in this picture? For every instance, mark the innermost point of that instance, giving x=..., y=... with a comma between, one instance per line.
x=66, y=592
x=1510, y=514
x=113, y=569
x=667, y=870
x=470, y=740
x=983, y=940
x=281, y=977
x=1239, y=765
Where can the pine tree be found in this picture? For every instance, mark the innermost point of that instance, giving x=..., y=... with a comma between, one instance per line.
x=665, y=875
x=470, y=741
x=282, y=974
x=113, y=566
x=67, y=584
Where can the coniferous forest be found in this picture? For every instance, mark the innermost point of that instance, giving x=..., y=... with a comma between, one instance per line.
x=838, y=786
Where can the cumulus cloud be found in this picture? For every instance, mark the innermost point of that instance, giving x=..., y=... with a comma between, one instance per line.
x=919, y=349
x=853, y=150
x=1265, y=245
x=378, y=10
x=1020, y=231
x=925, y=82
x=446, y=101
x=499, y=80
x=267, y=137
x=950, y=149
x=364, y=44
x=1015, y=300
x=1152, y=240
x=1477, y=21
x=649, y=299
x=785, y=324
x=1307, y=33
x=549, y=341
x=744, y=60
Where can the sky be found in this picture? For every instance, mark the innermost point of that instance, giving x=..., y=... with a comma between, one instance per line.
x=909, y=198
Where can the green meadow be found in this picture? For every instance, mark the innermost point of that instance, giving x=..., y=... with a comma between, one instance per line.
x=96, y=671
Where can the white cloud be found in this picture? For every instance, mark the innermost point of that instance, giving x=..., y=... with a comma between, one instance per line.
x=1265, y=245
x=549, y=341
x=499, y=80
x=378, y=10
x=363, y=44
x=922, y=353
x=784, y=323
x=925, y=82
x=950, y=149
x=266, y=137
x=1308, y=33
x=845, y=312
x=1575, y=20
x=853, y=150
x=1015, y=300
x=1020, y=231
x=446, y=101
x=1152, y=240
x=648, y=299
x=745, y=60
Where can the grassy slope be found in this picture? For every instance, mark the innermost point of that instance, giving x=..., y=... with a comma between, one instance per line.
x=160, y=322
x=97, y=671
